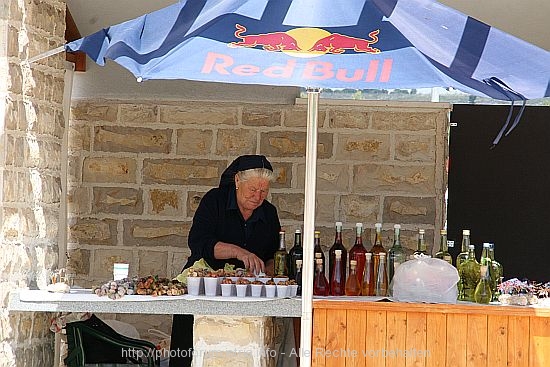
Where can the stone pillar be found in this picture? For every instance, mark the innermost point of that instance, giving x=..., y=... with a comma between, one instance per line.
x=234, y=341
x=31, y=131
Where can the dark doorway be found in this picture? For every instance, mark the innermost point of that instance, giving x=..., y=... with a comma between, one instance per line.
x=502, y=195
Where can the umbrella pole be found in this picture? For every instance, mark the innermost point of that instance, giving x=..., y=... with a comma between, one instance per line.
x=309, y=227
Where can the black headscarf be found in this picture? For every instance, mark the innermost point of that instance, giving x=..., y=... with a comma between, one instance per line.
x=243, y=163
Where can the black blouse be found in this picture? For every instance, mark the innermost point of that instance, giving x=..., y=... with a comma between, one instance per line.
x=218, y=218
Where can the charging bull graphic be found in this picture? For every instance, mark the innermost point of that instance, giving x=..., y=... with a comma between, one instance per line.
x=337, y=43
x=275, y=41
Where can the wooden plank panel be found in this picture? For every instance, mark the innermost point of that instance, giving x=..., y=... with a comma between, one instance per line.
x=318, y=337
x=476, y=345
x=376, y=352
x=416, y=340
x=497, y=345
x=396, y=333
x=436, y=340
x=336, y=338
x=356, y=338
x=539, y=348
x=518, y=341
x=456, y=340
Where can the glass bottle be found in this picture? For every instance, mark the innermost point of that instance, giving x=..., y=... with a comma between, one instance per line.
x=298, y=277
x=357, y=252
x=338, y=245
x=497, y=272
x=367, y=288
x=352, y=284
x=377, y=249
x=396, y=254
x=295, y=253
x=318, y=250
x=337, y=281
x=421, y=248
x=320, y=284
x=382, y=277
x=280, y=257
x=444, y=254
x=482, y=293
x=464, y=249
x=469, y=275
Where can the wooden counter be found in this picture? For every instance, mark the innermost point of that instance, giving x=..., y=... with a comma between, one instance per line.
x=375, y=334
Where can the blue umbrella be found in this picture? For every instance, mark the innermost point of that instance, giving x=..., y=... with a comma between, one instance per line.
x=324, y=43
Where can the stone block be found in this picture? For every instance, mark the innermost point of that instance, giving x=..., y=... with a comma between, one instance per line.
x=74, y=169
x=349, y=119
x=79, y=261
x=93, y=231
x=43, y=154
x=102, y=267
x=96, y=112
x=109, y=169
x=19, y=262
x=117, y=200
x=324, y=207
x=193, y=200
x=194, y=141
x=12, y=114
x=15, y=151
x=51, y=188
x=297, y=117
x=289, y=205
x=228, y=358
x=283, y=175
x=415, y=148
x=138, y=113
x=15, y=80
x=25, y=327
x=404, y=120
x=28, y=224
x=410, y=210
x=57, y=90
x=212, y=330
x=78, y=200
x=132, y=139
x=177, y=260
x=155, y=233
x=330, y=177
x=166, y=202
x=363, y=147
x=183, y=171
x=293, y=144
x=152, y=263
x=236, y=142
x=199, y=114
x=359, y=208
x=264, y=116
x=419, y=180
x=41, y=325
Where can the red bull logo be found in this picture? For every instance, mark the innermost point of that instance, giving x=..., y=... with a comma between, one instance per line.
x=275, y=41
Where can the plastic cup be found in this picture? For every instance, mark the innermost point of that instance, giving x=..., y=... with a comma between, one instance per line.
x=194, y=285
x=227, y=290
x=280, y=279
x=241, y=289
x=270, y=290
x=282, y=291
x=292, y=290
x=256, y=289
x=263, y=279
x=211, y=286
x=120, y=271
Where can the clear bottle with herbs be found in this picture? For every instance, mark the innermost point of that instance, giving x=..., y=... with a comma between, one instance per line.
x=469, y=275
x=338, y=245
x=396, y=254
x=281, y=258
x=444, y=254
x=497, y=273
x=464, y=247
x=482, y=293
x=421, y=248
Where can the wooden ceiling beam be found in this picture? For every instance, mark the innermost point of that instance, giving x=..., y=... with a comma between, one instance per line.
x=72, y=33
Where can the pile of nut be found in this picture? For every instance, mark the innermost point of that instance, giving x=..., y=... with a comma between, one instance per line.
x=149, y=286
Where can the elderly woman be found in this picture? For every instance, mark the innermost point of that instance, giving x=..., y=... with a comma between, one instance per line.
x=233, y=224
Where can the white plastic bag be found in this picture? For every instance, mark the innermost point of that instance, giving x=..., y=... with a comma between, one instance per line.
x=425, y=280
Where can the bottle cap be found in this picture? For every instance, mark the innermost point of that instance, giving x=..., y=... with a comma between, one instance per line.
x=299, y=262
x=319, y=261
x=378, y=225
x=338, y=224
x=397, y=226
x=382, y=254
x=486, y=245
x=338, y=252
x=491, y=245
x=298, y=231
x=359, y=225
x=465, y=232
x=471, y=247
x=443, y=231
x=421, y=231
x=368, y=255
x=353, y=262
x=318, y=255
x=281, y=232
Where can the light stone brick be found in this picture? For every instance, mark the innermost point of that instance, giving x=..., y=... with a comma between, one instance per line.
x=43, y=154
x=417, y=148
x=166, y=202
x=138, y=113
x=236, y=142
x=15, y=151
x=182, y=171
x=102, y=268
x=363, y=147
x=394, y=178
x=51, y=189
x=25, y=327
x=117, y=200
x=12, y=114
x=27, y=223
x=199, y=114
x=297, y=117
x=109, y=169
x=93, y=231
x=155, y=232
x=152, y=263
x=223, y=359
x=18, y=265
x=243, y=330
x=78, y=200
x=79, y=261
x=289, y=206
x=324, y=207
x=404, y=121
x=265, y=116
x=359, y=208
x=348, y=119
x=15, y=82
x=132, y=139
x=330, y=177
x=96, y=112
x=194, y=141
x=283, y=175
x=193, y=200
x=400, y=209
x=293, y=144
x=177, y=260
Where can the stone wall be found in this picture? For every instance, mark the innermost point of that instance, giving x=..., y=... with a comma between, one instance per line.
x=138, y=169
x=31, y=132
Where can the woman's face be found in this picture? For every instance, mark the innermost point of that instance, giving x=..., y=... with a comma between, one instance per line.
x=251, y=193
